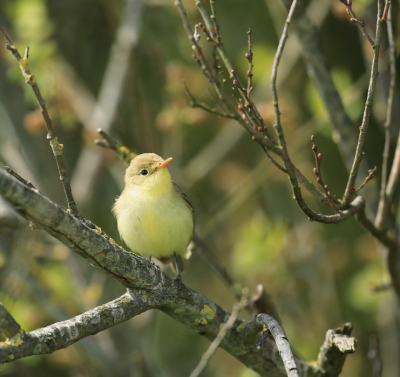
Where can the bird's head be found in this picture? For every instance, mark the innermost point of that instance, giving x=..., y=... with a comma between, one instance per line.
x=148, y=171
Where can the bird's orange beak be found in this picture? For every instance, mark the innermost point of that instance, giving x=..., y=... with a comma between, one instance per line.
x=164, y=164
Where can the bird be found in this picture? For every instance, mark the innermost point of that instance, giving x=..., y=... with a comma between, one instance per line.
x=154, y=216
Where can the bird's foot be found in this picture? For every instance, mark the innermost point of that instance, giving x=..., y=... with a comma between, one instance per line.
x=178, y=281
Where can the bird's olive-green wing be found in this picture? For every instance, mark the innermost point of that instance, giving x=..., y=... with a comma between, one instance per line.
x=182, y=195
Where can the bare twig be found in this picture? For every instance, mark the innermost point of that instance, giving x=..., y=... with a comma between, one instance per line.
x=291, y=170
x=367, y=112
x=360, y=24
x=305, y=23
x=221, y=335
x=249, y=57
x=386, y=10
x=370, y=175
x=279, y=166
x=123, y=152
x=386, y=196
x=195, y=103
x=317, y=172
x=271, y=325
x=56, y=147
x=257, y=136
x=15, y=175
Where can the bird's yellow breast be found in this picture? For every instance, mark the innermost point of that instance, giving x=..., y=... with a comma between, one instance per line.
x=154, y=219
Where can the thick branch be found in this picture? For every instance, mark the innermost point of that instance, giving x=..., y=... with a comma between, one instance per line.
x=186, y=306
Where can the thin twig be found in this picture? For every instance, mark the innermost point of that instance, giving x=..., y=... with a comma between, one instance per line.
x=15, y=175
x=386, y=10
x=56, y=147
x=360, y=24
x=249, y=57
x=221, y=335
x=317, y=172
x=370, y=175
x=201, y=105
x=124, y=153
x=279, y=166
x=291, y=171
x=385, y=194
x=257, y=136
x=367, y=113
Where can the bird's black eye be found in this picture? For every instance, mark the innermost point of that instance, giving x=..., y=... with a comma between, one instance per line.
x=144, y=172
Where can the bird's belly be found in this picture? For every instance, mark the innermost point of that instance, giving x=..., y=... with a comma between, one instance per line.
x=156, y=228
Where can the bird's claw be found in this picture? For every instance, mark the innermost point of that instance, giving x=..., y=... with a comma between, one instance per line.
x=178, y=282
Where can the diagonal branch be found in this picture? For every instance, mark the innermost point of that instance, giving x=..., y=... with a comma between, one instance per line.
x=155, y=288
x=54, y=143
x=133, y=271
x=367, y=113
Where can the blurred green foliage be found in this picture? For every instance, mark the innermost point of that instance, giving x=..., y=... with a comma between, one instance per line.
x=319, y=276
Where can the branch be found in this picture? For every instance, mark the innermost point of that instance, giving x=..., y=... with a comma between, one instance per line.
x=367, y=113
x=56, y=147
x=201, y=105
x=62, y=334
x=312, y=215
x=387, y=190
x=271, y=325
x=337, y=345
x=124, y=154
x=319, y=71
x=135, y=272
x=360, y=24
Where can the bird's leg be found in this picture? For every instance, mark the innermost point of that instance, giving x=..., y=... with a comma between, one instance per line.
x=177, y=278
x=149, y=258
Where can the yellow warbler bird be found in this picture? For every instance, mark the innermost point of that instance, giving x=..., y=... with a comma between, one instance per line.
x=154, y=216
